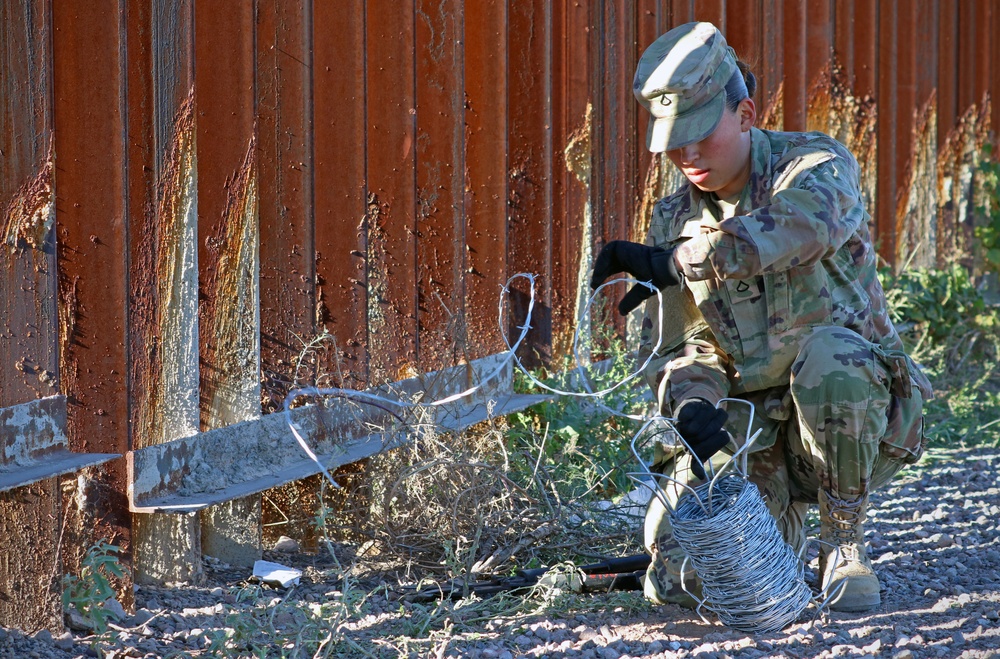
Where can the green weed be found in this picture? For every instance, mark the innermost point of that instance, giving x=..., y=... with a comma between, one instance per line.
x=88, y=592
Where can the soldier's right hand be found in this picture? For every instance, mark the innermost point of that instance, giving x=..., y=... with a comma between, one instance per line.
x=701, y=425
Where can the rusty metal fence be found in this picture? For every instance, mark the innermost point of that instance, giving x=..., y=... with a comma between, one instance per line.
x=192, y=191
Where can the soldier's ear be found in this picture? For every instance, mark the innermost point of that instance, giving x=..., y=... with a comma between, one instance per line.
x=748, y=114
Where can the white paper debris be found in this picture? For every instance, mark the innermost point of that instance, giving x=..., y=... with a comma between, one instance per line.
x=277, y=574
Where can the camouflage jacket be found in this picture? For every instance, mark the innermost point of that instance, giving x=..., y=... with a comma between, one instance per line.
x=797, y=254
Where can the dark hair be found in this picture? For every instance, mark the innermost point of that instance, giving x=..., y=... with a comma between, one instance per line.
x=741, y=85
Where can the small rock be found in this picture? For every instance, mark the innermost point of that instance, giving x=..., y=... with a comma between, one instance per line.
x=958, y=639
x=43, y=636
x=873, y=647
x=78, y=622
x=286, y=544
x=942, y=540
x=903, y=654
x=65, y=641
x=141, y=617
x=993, y=615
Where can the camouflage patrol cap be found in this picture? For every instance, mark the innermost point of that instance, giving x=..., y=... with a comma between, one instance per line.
x=681, y=79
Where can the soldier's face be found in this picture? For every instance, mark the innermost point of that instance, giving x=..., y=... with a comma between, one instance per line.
x=720, y=163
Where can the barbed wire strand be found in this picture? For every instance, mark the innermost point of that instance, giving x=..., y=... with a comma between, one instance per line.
x=368, y=398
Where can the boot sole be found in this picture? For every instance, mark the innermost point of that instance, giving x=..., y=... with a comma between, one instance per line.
x=856, y=603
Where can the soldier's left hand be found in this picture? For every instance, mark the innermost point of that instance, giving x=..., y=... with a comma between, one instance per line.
x=645, y=263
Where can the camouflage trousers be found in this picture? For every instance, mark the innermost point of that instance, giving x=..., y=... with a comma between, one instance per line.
x=838, y=427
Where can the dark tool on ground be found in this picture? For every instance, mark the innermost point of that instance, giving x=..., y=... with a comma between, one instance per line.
x=624, y=573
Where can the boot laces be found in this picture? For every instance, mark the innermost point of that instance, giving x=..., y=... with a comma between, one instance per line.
x=846, y=515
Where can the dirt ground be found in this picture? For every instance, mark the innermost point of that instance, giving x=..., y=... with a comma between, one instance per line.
x=933, y=536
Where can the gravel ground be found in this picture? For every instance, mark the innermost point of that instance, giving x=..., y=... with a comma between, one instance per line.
x=933, y=537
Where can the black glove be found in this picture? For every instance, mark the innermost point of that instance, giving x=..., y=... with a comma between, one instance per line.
x=643, y=262
x=700, y=424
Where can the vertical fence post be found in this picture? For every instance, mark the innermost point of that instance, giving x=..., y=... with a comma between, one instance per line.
x=163, y=268
x=229, y=315
x=30, y=515
x=89, y=53
x=287, y=222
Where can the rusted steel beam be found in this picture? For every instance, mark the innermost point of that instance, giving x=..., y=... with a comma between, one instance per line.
x=33, y=444
x=947, y=61
x=572, y=238
x=713, y=11
x=163, y=274
x=91, y=222
x=902, y=142
x=652, y=20
x=530, y=221
x=887, y=134
x=287, y=184
x=969, y=56
x=983, y=37
x=681, y=11
x=743, y=30
x=440, y=180
x=486, y=120
x=29, y=516
x=340, y=197
x=228, y=259
x=28, y=344
x=392, y=212
x=819, y=47
x=794, y=69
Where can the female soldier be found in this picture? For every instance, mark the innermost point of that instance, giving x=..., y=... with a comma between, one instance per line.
x=768, y=280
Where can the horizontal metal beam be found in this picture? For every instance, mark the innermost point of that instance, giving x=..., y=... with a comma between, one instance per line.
x=33, y=444
x=188, y=474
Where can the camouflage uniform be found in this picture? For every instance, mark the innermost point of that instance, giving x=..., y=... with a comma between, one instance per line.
x=780, y=305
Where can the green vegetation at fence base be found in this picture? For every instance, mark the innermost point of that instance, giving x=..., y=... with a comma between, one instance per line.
x=955, y=336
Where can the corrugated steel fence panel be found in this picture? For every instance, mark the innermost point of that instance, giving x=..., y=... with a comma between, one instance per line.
x=229, y=182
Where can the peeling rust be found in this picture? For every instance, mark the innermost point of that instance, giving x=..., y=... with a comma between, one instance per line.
x=31, y=212
x=233, y=312
x=578, y=151
x=378, y=278
x=171, y=406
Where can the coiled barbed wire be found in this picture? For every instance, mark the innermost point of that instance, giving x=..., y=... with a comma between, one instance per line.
x=751, y=579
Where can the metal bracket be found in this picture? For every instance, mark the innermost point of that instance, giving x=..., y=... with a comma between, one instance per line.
x=33, y=444
x=186, y=475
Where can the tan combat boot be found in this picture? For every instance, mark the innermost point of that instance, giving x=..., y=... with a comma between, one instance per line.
x=845, y=562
